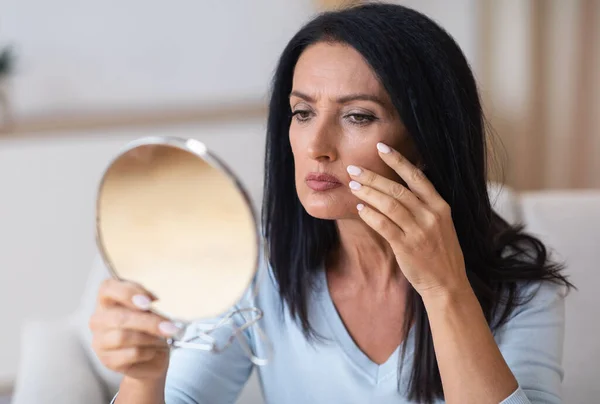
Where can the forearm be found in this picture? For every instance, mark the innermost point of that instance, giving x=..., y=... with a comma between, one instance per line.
x=471, y=365
x=133, y=391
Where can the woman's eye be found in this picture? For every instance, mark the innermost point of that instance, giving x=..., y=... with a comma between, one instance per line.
x=301, y=115
x=360, y=119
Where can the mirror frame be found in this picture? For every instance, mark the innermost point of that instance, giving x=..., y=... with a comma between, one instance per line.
x=200, y=150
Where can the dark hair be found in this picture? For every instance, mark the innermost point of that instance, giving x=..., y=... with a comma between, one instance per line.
x=431, y=85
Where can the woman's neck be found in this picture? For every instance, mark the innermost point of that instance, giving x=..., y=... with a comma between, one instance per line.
x=364, y=256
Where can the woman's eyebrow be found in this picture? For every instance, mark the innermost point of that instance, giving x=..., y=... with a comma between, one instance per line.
x=343, y=99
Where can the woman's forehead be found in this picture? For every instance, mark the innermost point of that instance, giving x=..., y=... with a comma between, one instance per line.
x=334, y=68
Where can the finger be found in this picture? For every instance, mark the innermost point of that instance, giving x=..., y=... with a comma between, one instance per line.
x=118, y=339
x=128, y=294
x=413, y=176
x=121, y=318
x=152, y=296
x=390, y=207
x=122, y=359
x=381, y=224
x=387, y=186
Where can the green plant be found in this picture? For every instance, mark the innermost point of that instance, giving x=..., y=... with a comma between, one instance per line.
x=6, y=61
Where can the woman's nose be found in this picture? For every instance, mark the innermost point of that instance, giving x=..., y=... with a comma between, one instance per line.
x=322, y=143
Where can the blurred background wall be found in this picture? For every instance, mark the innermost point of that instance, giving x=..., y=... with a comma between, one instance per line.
x=90, y=76
x=539, y=71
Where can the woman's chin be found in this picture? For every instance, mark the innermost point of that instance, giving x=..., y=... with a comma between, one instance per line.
x=328, y=210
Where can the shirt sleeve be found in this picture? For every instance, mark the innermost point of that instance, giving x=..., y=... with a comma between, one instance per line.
x=518, y=397
x=199, y=377
x=532, y=345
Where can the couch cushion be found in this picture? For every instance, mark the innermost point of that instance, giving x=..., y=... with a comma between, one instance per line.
x=569, y=223
x=54, y=367
x=98, y=274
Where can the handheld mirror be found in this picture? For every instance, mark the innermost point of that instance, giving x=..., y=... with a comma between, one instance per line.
x=173, y=218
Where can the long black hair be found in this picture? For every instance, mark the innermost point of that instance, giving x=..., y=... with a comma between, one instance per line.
x=433, y=89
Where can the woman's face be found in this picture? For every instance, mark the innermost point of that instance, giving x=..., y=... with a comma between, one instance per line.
x=340, y=113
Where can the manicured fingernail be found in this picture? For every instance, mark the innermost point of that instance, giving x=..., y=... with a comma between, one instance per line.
x=141, y=301
x=353, y=170
x=360, y=207
x=355, y=185
x=383, y=148
x=168, y=328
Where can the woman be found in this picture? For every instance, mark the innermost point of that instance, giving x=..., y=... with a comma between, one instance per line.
x=390, y=277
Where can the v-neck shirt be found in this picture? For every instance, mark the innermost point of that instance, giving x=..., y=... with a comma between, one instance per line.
x=331, y=368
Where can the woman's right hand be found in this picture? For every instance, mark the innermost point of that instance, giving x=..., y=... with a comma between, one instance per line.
x=127, y=337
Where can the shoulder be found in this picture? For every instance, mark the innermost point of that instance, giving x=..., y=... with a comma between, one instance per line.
x=531, y=341
x=540, y=310
x=539, y=299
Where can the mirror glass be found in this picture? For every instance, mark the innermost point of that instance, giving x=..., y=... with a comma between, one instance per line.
x=173, y=218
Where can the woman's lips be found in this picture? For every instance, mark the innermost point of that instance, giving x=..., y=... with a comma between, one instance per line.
x=322, y=181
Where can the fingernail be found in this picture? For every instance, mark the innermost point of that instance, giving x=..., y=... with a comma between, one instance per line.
x=383, y=148
x=360, y=207
x=168, y=328
x=355, y=185
x=141, y=301
x=353, y=170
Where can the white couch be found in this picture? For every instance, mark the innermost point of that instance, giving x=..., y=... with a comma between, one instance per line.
x=58, y=365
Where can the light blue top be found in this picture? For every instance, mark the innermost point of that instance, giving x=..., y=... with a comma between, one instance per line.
x=337, y=371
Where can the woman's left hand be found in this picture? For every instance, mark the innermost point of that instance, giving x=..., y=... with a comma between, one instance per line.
x=416, y=222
